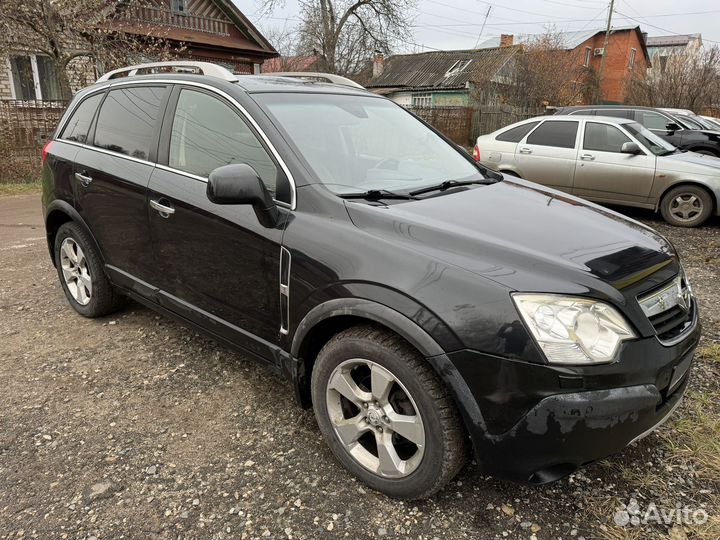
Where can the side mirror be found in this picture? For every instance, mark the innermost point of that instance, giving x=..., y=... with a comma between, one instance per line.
x=240, y=184
x=672, y=126
x=631, y=148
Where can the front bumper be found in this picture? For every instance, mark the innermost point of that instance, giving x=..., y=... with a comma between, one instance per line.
x=540, y=423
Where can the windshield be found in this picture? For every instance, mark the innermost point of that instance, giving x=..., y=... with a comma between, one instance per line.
x=694, y=124
x=355, y=144
x=649, y=140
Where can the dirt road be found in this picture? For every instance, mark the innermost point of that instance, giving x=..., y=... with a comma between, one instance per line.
x=134, y=426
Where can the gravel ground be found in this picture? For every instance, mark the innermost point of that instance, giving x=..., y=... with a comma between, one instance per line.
x=134, y=426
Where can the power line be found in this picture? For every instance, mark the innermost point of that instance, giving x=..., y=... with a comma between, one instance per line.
x=658, y=27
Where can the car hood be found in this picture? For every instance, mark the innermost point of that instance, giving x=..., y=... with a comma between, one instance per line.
x=690, y=162
x=516, y=232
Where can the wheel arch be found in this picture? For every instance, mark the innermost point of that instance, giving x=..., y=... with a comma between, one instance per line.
x=703, y=147
x=694, y=183
x=510, y=171
x=57, y=214
x=329, y=318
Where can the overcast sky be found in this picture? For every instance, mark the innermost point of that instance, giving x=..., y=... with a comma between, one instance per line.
x=456, y=24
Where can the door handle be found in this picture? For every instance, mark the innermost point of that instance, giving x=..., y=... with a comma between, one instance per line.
x=164, y=210
x=587, y=157
x=83, y=179
x=525, y=150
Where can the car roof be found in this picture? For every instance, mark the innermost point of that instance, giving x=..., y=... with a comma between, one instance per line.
x=246, y=83
x=609, y=107
x=560, y=118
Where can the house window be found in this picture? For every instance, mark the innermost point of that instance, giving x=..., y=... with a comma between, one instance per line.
x=34, y=77
x=457, y=67
x=633, y=52
x=179, y=6
x=422, y=100
x=588, y=55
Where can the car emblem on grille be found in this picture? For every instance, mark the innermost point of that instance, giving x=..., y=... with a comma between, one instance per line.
x=676, y=294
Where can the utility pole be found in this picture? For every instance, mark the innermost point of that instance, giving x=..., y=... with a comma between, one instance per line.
x=482, y=27
x=605, y=45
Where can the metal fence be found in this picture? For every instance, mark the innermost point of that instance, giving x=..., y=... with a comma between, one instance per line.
x=464, y=124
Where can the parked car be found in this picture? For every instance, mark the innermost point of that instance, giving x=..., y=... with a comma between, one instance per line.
x=712, y=123
x=607, y=160
x=417, y=300
x=676, y=129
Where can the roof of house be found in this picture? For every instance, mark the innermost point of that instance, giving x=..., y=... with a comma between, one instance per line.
x=569, y=40
x=290, y=63
x=433, y=69
x=672, y=41
x=251, y=39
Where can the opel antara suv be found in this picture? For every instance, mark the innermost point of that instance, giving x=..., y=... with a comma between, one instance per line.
x=423, y=305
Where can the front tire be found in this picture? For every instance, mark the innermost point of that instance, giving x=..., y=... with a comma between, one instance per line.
x=686, y=206
x=386, y=415
x=81, y=273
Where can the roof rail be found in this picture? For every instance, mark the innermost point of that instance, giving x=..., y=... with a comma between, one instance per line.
x=315, y=76
x=181, y=66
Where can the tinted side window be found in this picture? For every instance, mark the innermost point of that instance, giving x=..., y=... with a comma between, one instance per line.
x=651, y=120
x=516, y=134
x=560, y=134
x=615, y=113
x=127, y=119
x=603, y=138
x=77, y=127
x=207, y=133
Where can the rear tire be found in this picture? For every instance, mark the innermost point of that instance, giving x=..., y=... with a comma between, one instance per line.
x=393, y=390
x=705, y=152
x=81, y=273
x=686, y=206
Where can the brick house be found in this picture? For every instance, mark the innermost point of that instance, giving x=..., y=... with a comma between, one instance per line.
x=626, y=56
x=210, y=30
x=663, y=48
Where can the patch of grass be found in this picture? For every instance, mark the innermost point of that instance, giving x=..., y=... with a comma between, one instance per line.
x=695, y=440
x=20, y=188
x=709, y=351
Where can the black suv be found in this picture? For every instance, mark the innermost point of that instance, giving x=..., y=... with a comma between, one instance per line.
x=419, y=302
x=676, y=129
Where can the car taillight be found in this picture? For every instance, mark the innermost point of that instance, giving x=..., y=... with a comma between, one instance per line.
x=45, y=151
x=476, y=153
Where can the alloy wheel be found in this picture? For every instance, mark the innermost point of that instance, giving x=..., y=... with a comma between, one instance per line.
x=686, y=207
x=75, y=271
x=375, y=418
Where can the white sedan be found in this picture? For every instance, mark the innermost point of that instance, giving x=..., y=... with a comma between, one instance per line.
x=607, y=160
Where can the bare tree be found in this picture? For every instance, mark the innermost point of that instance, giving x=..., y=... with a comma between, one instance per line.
x=68, y=30
x=346, y=32
x=546, y=73
x=684, y=80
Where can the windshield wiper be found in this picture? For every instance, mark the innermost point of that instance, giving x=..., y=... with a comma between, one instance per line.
x=447, y=184
x=377, y=194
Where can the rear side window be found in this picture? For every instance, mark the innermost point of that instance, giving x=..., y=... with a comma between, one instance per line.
x=77, y=127
x=516, y=134
x=651, y=120
x=551, y=133
x=207, y=134
x=603, y=138
x=615, y=113
x=127, y=119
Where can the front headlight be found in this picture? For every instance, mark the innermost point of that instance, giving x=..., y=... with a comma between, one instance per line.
x=573, y=330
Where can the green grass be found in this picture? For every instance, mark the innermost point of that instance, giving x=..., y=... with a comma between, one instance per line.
x=20, y=188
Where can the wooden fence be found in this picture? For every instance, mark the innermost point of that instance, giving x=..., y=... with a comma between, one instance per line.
x=25, y=126
x=464, y=124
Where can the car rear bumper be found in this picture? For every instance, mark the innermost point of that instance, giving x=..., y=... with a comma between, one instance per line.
x=535, y=429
